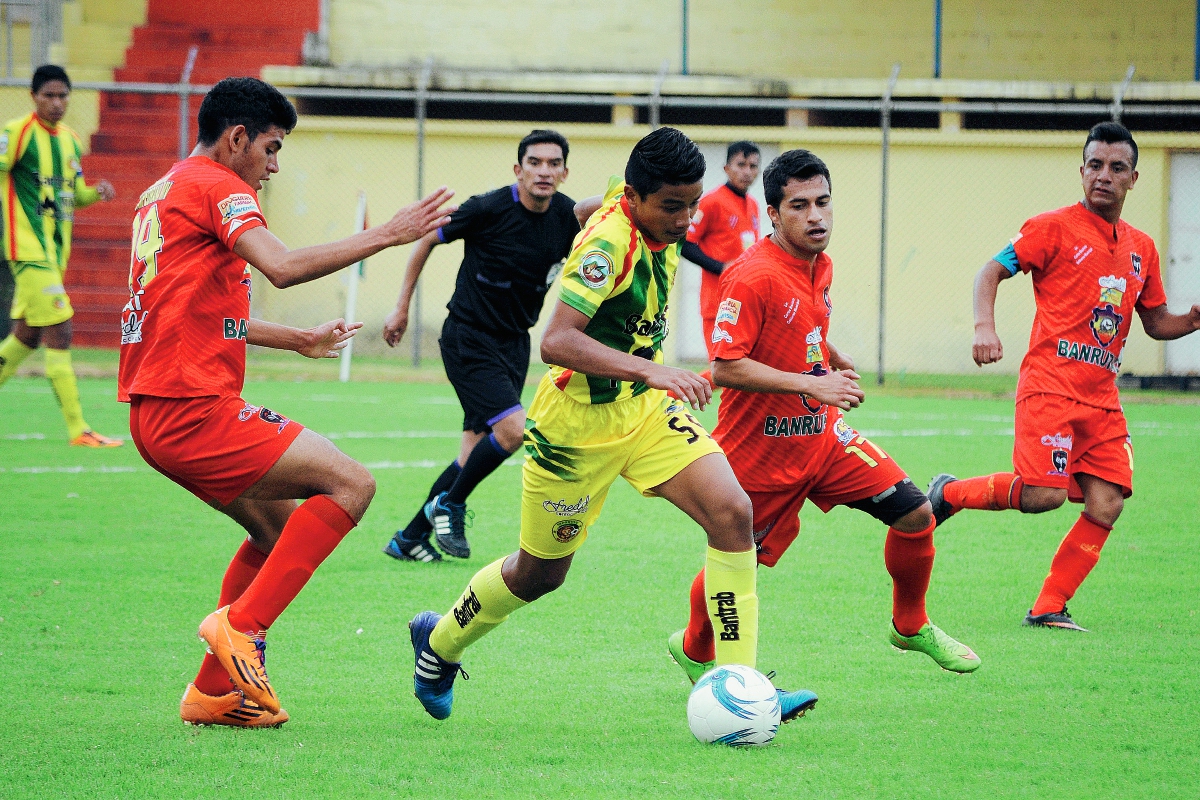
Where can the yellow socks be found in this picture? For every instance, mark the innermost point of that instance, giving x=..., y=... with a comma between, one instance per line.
x=485, y=604
x=62, y=378
x=12, y=353
x=729, y=586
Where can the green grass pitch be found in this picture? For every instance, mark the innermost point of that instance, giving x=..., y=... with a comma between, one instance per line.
x=106, y=569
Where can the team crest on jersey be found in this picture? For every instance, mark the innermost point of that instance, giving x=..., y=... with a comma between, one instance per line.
x=1105, y=324
x=566, y=530
x=1058, y=460
x=235, y=206
x=729, y=311
x=595, y=267
x=814, y=406
x=1136, y=260
x=1112, y=290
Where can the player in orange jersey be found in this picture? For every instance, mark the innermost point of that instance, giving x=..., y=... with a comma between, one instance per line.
x=184, y=332
x=724, y=226
x=1091, y=271
x=781, y=415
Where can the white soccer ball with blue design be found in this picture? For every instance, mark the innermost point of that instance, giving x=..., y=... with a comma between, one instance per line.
x=734, y=705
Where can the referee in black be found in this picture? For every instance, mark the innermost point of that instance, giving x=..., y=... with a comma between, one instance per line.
x=514, y=242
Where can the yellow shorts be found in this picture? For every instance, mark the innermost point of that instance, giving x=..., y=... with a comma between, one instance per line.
x=574, y=451
x=40, y=298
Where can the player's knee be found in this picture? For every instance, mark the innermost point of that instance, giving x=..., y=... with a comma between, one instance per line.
x=1106, y=509
x=356, y=490
x=730, y=523
x=1038, y=499
x=916, y=521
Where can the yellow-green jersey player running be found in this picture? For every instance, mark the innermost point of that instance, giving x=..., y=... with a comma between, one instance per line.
x=41, y=185
x=603, y=411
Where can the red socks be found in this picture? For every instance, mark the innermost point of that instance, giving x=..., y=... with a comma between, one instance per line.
x=909, y=560
x=1078, y=553
x=212, y=679
x=310, y=535
x=998, y=492
x=698, y=638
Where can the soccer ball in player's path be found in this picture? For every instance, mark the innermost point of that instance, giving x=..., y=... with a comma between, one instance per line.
x=734, y=705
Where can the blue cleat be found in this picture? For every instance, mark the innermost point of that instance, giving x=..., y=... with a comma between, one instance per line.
x=402, y=549
x=793, y=705
x=433, y=677
x=449, y=521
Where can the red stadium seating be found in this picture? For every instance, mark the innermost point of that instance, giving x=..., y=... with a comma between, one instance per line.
x=138, y=137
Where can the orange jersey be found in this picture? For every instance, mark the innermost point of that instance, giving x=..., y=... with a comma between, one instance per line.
x=183, y=332
x=1088, y=278
x=775, y=309
x=725, y=226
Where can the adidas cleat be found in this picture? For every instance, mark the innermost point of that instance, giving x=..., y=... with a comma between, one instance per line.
x=949, y=653
x=403, y=549
x=1056, y=619
x=243, y=657
x=433, y=676
x=449, y=521
x=233, y=709
x=693, y=669
x=941, y=509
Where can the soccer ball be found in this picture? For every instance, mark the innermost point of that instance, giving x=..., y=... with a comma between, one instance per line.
x=734, y=705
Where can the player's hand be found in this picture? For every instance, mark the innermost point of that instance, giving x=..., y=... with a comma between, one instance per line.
x=325, y=341
x=683, y=384
x=837, y=389
x=986, y=349
x=105, y=190
x=1194, y=317
x=840, y=361
x=419, y=218
x=395, y=325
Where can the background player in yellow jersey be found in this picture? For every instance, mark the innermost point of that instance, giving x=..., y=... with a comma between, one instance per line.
x=602, y=411
x=41, y=185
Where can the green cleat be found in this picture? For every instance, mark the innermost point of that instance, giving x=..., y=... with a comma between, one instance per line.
x=693, y=669
x=950, y=654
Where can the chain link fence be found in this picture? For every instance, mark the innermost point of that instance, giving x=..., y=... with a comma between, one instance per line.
x=925, y=191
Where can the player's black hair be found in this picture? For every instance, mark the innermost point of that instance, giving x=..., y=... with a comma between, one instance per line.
x=744, y=148
x=665, y=156
x=243, y=101
x=46, y=73
x=1111, y=133
x=798, y=164
x=542, y=136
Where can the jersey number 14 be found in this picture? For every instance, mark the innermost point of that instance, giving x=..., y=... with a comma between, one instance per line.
x=147, y=244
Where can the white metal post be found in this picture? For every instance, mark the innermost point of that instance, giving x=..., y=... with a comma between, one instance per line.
x=353, y=276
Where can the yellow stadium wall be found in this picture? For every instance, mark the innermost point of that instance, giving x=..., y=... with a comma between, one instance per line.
x=955, y=200
x=1031, y=40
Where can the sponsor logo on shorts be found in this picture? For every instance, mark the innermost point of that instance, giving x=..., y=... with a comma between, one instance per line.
x=564, y=509
x=1058, y=440
x=729, y=311
x=268, y=416
x=727, y=616
x=235, y=328
x=235, y=206
x=247, y=412
x=465, y=611
x=595, y=267
x=1058, y=458
x=566, y=530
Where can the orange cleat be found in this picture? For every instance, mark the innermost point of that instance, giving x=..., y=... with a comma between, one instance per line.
x=90, y=438
x=242, y=656
x=197, y=708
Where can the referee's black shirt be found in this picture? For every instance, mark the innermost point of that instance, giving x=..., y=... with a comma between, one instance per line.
x=511, y=256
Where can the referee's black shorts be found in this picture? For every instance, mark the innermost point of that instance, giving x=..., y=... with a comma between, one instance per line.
x=487, y=371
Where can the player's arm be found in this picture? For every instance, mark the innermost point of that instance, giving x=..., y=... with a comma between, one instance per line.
x=835, y=389
x=323, y=341
x=397, y=322
x=284, y=267
x=586, y=207
x=1161, y=324
x=86, y=195
x=986, y=348
x=692, y=252
x=566, y=345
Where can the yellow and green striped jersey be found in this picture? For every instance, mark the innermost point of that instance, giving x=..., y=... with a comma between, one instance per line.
x=42, y=186
x=621, y=281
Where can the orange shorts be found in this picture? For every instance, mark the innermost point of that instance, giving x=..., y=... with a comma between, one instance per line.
x=1056, y=438
x=215, y=447
x=855, y=469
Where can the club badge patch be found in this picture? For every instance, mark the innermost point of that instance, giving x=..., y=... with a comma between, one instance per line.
x=595, y=267
x=1105, y=324
x=567, y=529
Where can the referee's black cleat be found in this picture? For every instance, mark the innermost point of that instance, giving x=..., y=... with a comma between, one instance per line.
x=1055, y=619
x=403, y=549
x=941, y=509
x=449, y=521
